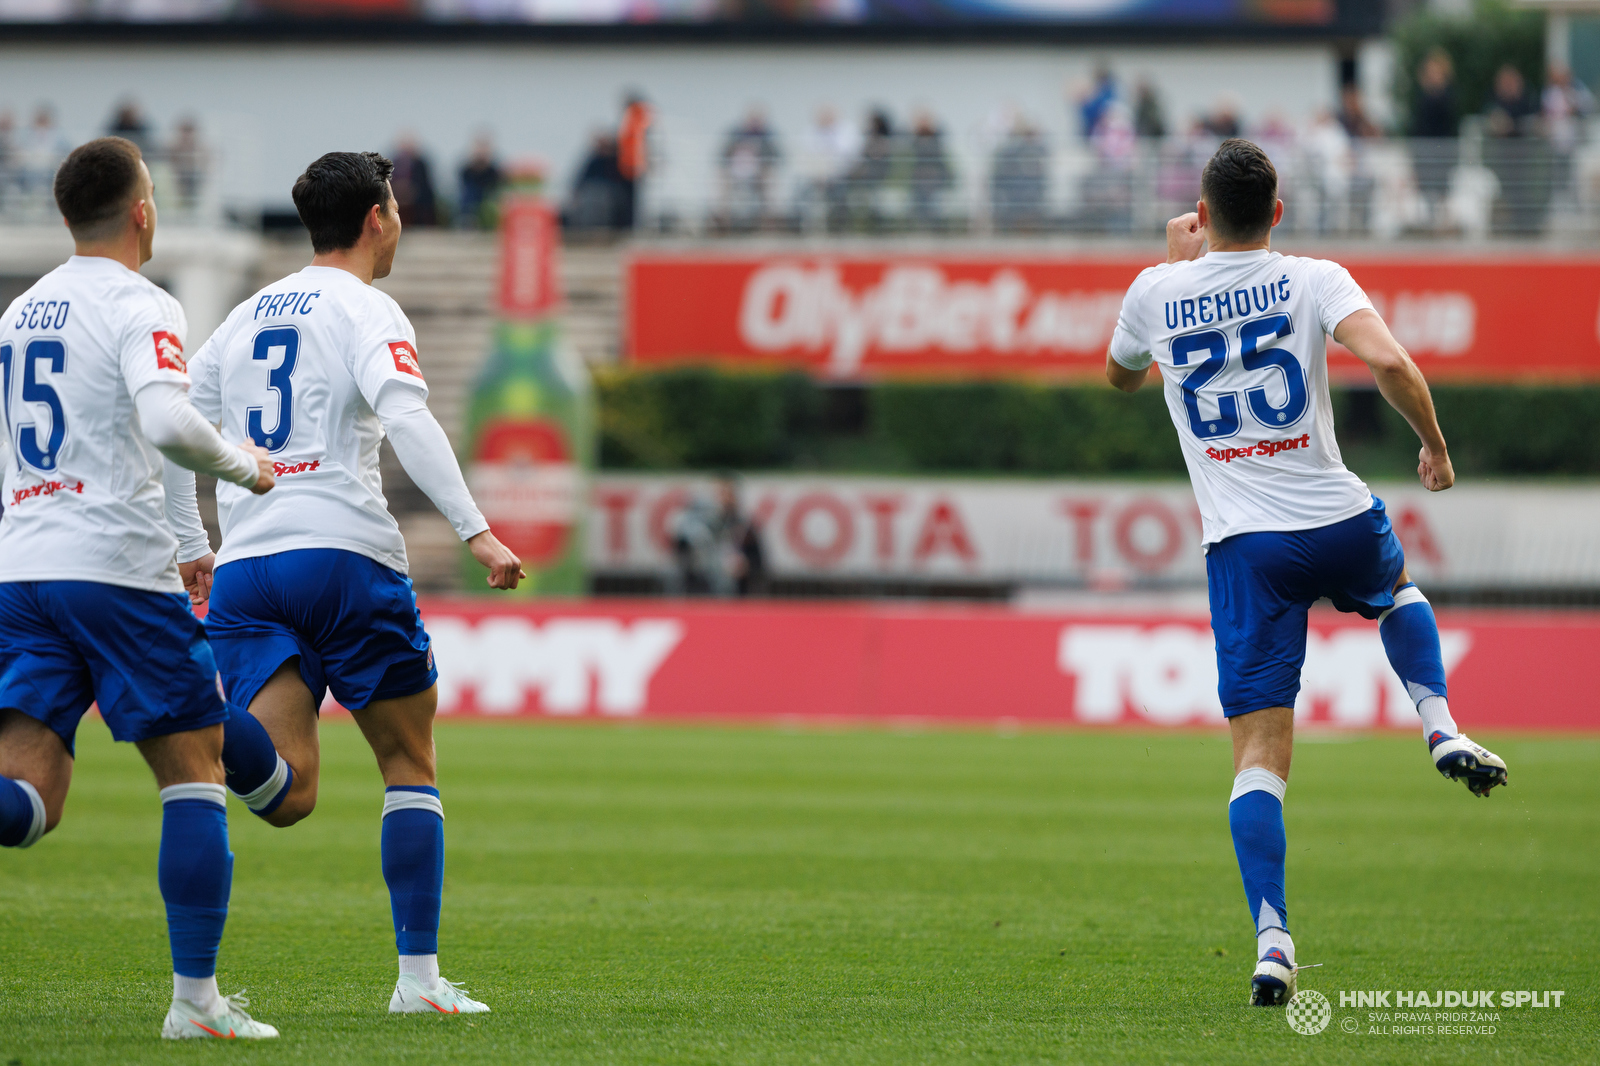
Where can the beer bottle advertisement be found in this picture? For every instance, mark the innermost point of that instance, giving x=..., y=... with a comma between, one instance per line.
x=530, y=420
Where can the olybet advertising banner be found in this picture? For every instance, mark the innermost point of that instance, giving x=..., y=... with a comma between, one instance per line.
x=623, y=660
x=1098, y=533
x=848, y=317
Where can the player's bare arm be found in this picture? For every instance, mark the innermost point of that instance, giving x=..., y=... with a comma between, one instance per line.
x=1123, y=378
x=1402, y=384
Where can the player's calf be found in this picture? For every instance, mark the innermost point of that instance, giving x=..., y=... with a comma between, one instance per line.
x=35, y=771
x=1411, y=638
x=22, y=814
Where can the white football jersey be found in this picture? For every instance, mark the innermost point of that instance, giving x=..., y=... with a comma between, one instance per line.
x=1241, y=340
x=82, y=491
x=296, y=369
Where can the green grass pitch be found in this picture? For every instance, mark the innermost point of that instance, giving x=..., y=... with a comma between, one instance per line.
x=676, y=894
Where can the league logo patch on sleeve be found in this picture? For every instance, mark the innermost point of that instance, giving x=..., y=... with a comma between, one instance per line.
x=405, y=358
x=169, y=352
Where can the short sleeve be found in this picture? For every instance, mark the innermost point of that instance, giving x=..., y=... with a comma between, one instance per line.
x=1338, y=296
x=1128, y=344
x=151, y=346
x=385, y=352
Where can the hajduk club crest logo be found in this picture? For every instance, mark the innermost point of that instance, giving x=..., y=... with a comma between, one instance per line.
x=1308, y=1013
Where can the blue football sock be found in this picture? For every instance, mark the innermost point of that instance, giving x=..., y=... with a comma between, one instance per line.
x=413, y=865
x=1411, y=638
x=196, y=872
x=21, y=814
x=256, y=773
x=1255, y=814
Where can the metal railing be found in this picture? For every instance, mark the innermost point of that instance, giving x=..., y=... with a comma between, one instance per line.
x=187, y=190
x=1473, y=188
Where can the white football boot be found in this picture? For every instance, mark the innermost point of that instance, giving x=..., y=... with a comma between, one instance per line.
x=185, y=1021
x=1462, y=759
x=1273, y=983
x=411, y=996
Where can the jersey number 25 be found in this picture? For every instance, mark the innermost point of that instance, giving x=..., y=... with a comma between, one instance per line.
x=1213, y=343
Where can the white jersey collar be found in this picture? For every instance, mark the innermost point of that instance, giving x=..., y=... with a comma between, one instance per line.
x=1254, y=255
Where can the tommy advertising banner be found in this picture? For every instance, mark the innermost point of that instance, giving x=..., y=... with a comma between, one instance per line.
x=1095, y=533
x=778, y=660
x=848, y=317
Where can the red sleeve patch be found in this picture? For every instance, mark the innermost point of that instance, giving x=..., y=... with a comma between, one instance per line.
x=169, y=352
x=405, y=358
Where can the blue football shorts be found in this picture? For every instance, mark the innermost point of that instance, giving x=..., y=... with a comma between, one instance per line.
x=352, y=622
x=143, y=656
x=1263, y=584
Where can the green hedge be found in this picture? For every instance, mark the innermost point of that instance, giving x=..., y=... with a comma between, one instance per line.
x=703, y=419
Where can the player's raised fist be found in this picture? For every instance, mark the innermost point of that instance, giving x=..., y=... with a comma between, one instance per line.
x=264, y=476
x=505, y=569
x=1435, y=471
x=1185, y=239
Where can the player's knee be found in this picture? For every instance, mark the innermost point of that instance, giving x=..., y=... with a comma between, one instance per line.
x=296, y=806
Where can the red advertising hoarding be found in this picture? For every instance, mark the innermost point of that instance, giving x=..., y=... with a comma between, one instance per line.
x=774, y=660
x=846, y=317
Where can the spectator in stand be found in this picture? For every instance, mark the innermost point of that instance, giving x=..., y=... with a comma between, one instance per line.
x=479, y=183
x=1512, y=151
x=750, y=158
x=1434, y=129
x=1511, y=111
x=40, y=150
x=1095, y=98
x=830, y=150
x=1566, y=103
x=1353, y=114
x=1149, y=119
x=716, y=548
x=633, y=156
x=872, y=169
x=189, y=162
x=931, y=173
x=1223, y=122
x=598, y=194
x=412, y=183
x=1331, y=166
x=128, y=121
x=1358, y=128
x=8, y=131
x=1019, y=185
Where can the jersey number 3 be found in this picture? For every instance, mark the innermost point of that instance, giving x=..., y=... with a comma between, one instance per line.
x=34, y=391
x=269, y=342
x=1228, y=419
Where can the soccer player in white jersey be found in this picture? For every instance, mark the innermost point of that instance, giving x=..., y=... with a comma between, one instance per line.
x=92, y=386
x=310, y=589
x=1239, y=331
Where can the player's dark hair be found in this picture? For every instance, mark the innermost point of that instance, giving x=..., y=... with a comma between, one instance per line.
x=95, y=186
x=1240, y=188
x=335, y=193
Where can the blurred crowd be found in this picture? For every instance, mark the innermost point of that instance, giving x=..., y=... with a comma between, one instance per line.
x=1125, y=162
x=30, y=152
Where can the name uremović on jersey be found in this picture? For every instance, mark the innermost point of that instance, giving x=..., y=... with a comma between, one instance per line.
x=1209, y=309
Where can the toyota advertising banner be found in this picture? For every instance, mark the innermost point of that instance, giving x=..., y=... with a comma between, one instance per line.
x=851, y=317
x=996, y=665
x=1100, y=534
